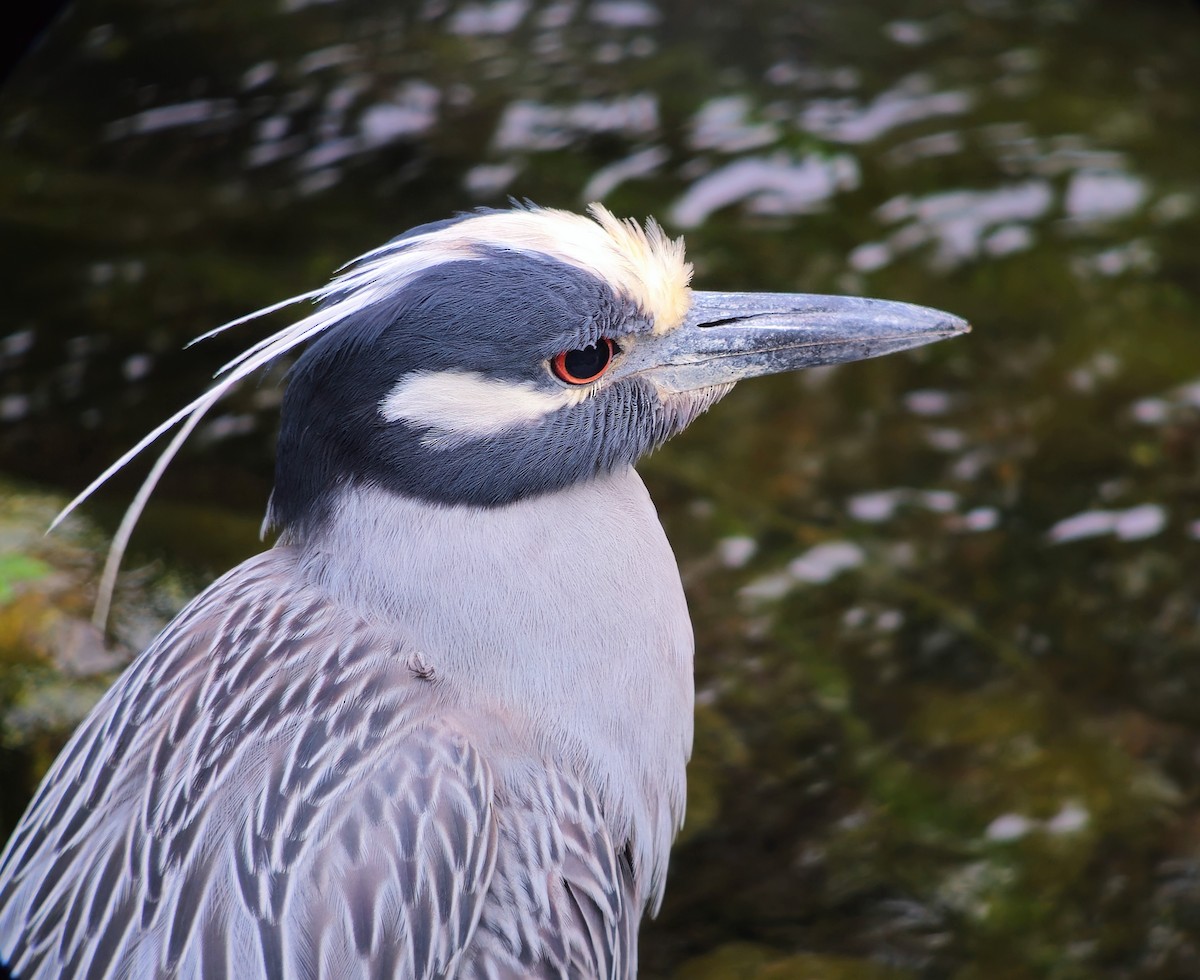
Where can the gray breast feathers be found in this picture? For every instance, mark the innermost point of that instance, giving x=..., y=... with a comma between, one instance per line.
x=270, y=790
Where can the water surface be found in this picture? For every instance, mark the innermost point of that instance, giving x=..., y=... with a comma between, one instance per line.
x=948, y=629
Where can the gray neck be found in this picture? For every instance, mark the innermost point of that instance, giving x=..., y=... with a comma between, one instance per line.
x=562, y=614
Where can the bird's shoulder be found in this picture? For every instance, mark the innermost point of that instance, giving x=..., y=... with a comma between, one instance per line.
x=269, y=760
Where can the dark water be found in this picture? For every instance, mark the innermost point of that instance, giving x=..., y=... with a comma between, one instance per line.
x=946, y=604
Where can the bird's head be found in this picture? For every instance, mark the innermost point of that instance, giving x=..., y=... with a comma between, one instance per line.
x=507, y=354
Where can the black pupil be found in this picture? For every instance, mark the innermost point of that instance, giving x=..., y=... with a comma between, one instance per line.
x=587, y=362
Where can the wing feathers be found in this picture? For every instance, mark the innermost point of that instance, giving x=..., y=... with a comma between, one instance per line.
x=268, y=792
x=262, y=773
x=565, y=904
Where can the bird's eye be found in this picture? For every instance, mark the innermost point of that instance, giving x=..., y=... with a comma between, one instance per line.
x=579, y=367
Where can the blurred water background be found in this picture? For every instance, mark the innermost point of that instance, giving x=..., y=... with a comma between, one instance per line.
x=946, y=603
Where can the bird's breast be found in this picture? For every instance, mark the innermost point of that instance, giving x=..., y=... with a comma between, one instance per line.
x=557, y=624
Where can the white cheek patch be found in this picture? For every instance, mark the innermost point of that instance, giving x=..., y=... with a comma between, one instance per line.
x=464, y=404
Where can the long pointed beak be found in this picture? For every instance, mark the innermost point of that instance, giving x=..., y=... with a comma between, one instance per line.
x=727, y=337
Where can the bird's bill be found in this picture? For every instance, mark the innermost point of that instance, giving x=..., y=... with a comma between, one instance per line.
x=727, y=337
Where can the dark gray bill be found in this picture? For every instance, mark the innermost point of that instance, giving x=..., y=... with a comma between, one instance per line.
x=727, y=337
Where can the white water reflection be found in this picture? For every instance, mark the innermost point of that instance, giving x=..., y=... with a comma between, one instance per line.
x=604, y=181
x=1009, y=827
x=490, y=179
x=1104, y=196
x=13, y=407
x=497, y=17
x=1158, y=410
x=1134, y=524
x=623, y=13
x=960, y=225
x=1070, y=819
x=723, y=124
x=877, y=506
x=928, y=402
x=909, y=33
x=329, y=57
x=944, y=144
x=1137, y=256
x=258, y=75
x=1019, y=151
x=979, y=519
x=778, y=184
x=911, y=100
x=412, y=111
x=818, y=565
x=824, y=562
x=736, y=550
x=527, y=125
x=175, y=116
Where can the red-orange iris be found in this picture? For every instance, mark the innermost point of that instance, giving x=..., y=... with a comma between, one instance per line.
x=584, y=365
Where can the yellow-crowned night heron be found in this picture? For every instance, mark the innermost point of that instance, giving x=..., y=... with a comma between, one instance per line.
x=440, y=729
